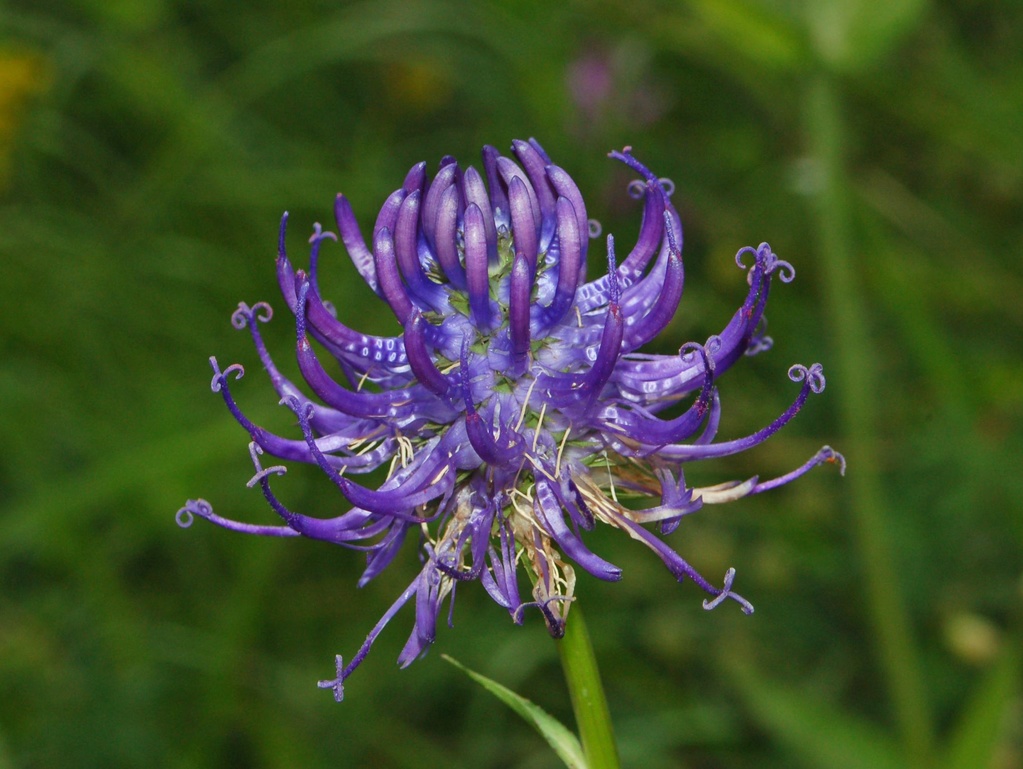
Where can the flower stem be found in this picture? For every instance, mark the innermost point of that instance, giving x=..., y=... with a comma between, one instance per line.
x=587, y=692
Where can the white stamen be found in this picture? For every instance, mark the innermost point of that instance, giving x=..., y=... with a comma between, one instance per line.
x=610, y=477
x=537, y=466
x=405, y=449
x=561, y=449
x=525, y=405
x=539, y=422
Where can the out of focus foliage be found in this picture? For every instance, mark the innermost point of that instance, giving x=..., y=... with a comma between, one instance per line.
x=147, y=151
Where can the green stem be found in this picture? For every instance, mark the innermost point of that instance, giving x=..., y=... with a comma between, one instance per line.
x=856, y=373
x=588, y=701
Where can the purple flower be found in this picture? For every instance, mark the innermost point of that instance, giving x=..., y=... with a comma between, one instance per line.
x=515, y=410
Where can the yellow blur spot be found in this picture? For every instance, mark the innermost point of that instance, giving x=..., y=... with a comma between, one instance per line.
x=972, y=637
x=418, y=87
x=22, y=76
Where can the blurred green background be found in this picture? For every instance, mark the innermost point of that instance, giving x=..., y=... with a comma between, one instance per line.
x=147, y=151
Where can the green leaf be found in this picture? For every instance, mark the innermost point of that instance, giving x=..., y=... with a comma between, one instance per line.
x=564, y=742
x=976, y=737
x=815, y=730
x=754, y=30
x=853, y=34
x=5, y=757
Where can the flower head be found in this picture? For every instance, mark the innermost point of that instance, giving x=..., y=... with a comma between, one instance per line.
x=515, y=410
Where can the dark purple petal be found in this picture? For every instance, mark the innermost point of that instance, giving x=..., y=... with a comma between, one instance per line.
x=664, y=306
x=533, y=161
x=475, y=192
x=500, y=579
x=203, y=509
x=483, y=442
x=351, y=236
x=406, y=232
x=431, y=480
x=509, y=170
x=563, y=185
x=384, y=356
x=525, y=229
x=477, y=273
x=678, y=566
x=415, y=179
x=444, y=180
x=570, y=249
x=383, y=552
x=448, y=213
x=393, y=404
x=343, y=671
x=388, y=215
x=391, y=287
x=563, y=391
x=421, y=361
x=651, y=233
x=826, y=454
x=275, y=445
x=650, y=431
x=498, y=199
x=548, y=512
x=518, y=309
x=813, y=382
